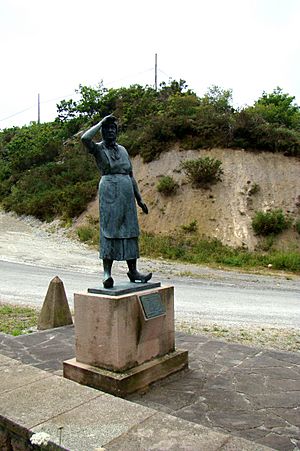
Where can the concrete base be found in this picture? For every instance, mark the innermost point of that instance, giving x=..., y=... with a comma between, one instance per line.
x=121, y=384
x=111, y=332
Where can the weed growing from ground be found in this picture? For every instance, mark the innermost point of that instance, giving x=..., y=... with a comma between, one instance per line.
x=167, y=185
x=191, y=227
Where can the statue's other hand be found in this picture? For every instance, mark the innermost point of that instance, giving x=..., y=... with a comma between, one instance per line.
x=143, y=207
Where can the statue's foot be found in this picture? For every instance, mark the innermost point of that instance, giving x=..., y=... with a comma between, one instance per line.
x=135, y=276
x=108, y=282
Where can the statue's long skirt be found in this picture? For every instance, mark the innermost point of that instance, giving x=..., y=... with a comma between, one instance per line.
x=119, y=228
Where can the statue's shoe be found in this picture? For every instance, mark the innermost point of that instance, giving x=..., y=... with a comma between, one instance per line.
x=108, y=282
x=138, y=277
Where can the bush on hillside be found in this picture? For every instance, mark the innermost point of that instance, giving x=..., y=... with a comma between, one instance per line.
x=167, y=185
x=251, y=131
x=203, y=171
x=62, y=187
x=270, y=222
x=191, y=227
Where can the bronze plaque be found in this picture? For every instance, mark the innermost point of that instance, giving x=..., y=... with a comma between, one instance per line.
x=152, y=305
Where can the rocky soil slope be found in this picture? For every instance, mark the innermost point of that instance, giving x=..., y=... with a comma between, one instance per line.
x=251, y=181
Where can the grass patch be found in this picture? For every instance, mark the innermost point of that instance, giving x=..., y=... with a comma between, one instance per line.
x=16, y=320
x=192, y=249
x=89, y=233
x=187, y=247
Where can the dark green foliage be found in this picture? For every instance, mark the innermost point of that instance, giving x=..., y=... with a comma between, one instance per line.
x=42, y=177
x=272, y=124
x=279, y=108
x=23, y=148
x=270, y=222
x=203, y=171
x=252, y=131
x=167, y=185
x=152, y=121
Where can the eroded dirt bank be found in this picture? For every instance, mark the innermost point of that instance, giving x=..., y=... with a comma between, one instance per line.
x=251, y=182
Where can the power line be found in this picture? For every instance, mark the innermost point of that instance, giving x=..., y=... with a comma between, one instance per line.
x=33, y=106
x=74, y=94
x=164, y=73
x=18, y=112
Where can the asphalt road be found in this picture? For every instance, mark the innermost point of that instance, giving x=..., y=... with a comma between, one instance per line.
x=219, y=297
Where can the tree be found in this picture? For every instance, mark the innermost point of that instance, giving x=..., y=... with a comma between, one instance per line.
x=88, y=105
x=218, y=98
x=279, y=108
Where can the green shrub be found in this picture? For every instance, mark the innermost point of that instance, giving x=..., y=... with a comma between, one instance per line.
x=203, y=171
x=270, y=222
x=167, y=185
x=191, y=227
x=297, y=226
x=250, y=130
x=86, y=233
x=279, y=108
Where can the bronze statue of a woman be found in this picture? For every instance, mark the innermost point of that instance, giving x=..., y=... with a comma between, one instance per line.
x=118, y=191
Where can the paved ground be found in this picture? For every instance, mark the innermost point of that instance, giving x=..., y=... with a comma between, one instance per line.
x=251, y=393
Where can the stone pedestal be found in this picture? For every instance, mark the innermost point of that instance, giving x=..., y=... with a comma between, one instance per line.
x=118, y=348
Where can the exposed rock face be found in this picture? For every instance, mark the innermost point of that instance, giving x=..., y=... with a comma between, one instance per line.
x=251, y=181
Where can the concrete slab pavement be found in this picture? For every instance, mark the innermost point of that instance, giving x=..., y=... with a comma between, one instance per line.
x=240, y=392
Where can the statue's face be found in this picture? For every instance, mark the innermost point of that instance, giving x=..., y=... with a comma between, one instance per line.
x=109, y=132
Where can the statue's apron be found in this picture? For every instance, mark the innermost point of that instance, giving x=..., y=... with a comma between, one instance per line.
x=118, y=215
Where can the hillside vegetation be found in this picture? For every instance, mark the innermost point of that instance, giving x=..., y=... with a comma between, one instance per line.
x=46, y=172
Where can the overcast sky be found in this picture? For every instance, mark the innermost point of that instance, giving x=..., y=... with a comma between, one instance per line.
x=50, y=47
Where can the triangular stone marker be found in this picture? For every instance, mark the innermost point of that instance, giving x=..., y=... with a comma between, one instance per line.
x=55, y=311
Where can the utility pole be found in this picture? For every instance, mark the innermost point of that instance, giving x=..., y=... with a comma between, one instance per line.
x=39, y=109
x=155, y=81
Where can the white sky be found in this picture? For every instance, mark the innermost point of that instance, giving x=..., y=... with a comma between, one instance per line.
x=50, y=47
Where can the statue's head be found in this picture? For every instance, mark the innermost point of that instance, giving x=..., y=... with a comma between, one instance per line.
x=109, y=128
